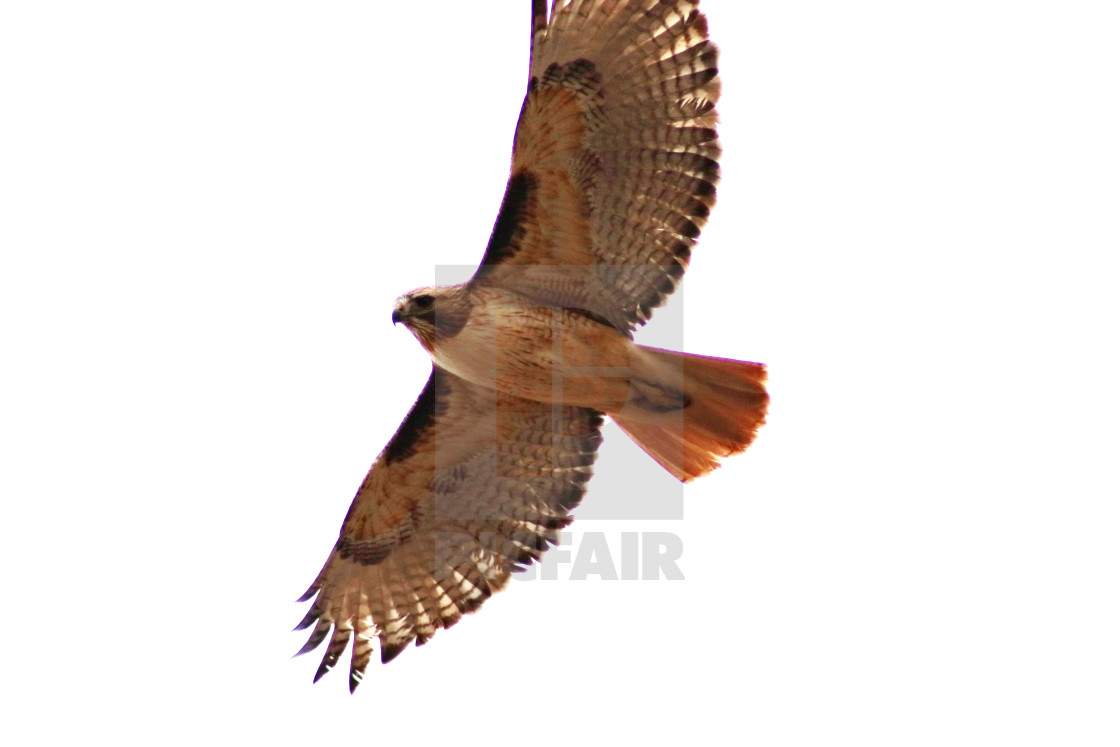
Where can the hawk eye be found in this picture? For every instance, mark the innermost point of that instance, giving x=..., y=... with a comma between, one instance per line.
x=423, y=302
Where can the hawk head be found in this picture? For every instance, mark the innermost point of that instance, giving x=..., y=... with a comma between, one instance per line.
x=432, y=312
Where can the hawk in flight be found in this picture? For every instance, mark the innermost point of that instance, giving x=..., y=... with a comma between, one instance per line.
x=613, y=175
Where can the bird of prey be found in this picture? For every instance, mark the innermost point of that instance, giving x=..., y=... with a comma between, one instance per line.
x=614, y=166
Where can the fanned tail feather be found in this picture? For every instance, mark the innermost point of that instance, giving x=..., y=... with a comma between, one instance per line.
x=723, y=405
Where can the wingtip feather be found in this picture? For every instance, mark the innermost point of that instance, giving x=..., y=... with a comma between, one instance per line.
x=317, y=637
x=310, y=592
x=390, y=651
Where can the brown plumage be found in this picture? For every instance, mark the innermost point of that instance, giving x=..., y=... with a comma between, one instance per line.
x=613, y=176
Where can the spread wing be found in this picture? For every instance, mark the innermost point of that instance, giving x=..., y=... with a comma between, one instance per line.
x=473, y=486
x=614, y=161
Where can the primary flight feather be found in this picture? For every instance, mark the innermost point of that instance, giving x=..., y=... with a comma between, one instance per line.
x=613, y=176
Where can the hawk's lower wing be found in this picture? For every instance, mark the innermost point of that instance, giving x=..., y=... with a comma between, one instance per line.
x=473, y=486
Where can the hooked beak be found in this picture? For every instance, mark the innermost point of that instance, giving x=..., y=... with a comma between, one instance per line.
x=396, y=316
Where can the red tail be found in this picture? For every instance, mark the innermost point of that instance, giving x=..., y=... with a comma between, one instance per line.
x=723, y=404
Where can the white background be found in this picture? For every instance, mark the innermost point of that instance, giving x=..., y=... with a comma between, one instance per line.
x=207, y=209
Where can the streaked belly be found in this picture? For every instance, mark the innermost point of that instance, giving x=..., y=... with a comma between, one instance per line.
x=544, y=354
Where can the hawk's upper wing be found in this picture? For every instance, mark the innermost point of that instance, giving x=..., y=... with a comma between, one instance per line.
x=474, y=485
x=614, y=160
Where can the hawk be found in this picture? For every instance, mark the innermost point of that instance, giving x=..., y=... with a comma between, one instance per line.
x=613, y=175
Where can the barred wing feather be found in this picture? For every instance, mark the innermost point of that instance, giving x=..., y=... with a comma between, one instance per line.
x=473, y=486
x=615, y=159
